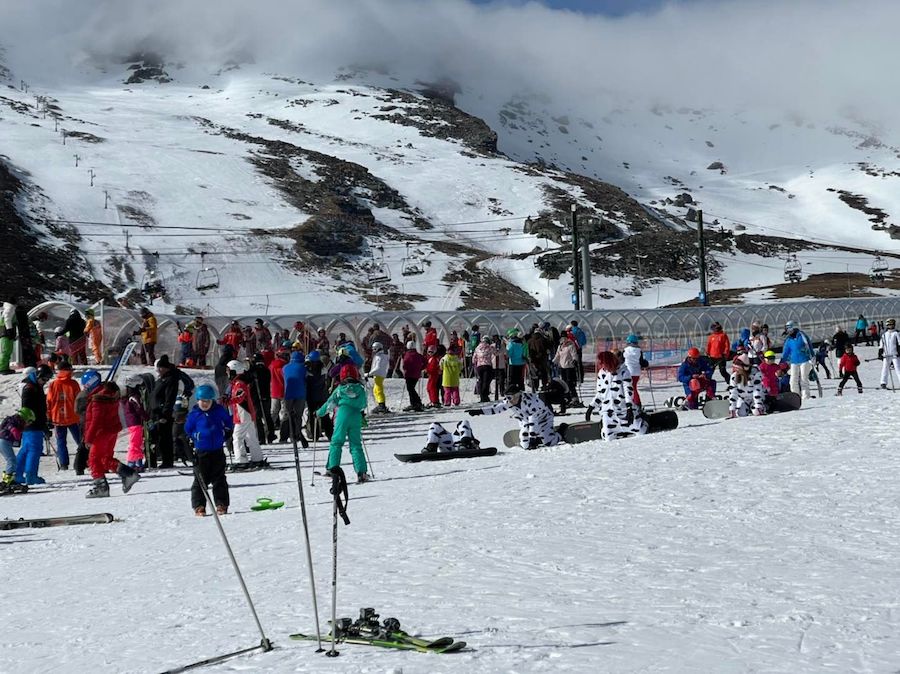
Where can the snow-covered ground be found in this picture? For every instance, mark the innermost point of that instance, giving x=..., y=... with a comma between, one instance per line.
x=759, y=544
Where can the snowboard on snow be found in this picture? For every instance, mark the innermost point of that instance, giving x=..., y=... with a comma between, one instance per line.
x=98, y=518
x=446, y=456
x=783, y=402
x=585, y=431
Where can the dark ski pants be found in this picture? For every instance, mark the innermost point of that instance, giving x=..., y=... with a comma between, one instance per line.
x=485, y=374
x=825, y=366
x=846, y=377
x=517, y=377
x=411, y=388
x=569, y=376
x=864, y=335
x=212, y=471
x=720, y=363
x=165, y=441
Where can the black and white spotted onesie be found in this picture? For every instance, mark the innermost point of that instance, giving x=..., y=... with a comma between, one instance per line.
x=534, y=417
x=744, y=397
x=613, y=402
x=444, y=439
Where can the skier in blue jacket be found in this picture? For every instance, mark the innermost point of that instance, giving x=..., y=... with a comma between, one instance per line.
x=294, y=397
x=206, y=426
x=798, y=352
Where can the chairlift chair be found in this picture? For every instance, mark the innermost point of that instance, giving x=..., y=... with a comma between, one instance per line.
x=207, y=277
x=879, y=267
x=152, y=285
x=793, y=271
x=379, y=272
x=412, y=265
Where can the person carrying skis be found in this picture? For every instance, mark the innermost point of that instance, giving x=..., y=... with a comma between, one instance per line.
x=848, y=367
x=61, y=396
x=378, y=371
x=7, y=335
x=451, y=368
x=411, y=367
x=890, y=352
x=11, y=431
x=614, y=400
x=798, y=352
x=244, y=417
x=348, y=401
x=207, y=424
x=695, y=375
x=718, y=350
x=745, y=390
x=101, y=428
x=28, y=460
x=534, y=416
x=441, y=440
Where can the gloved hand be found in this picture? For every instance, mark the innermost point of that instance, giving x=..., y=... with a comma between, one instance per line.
x=477, y=412
x=588, y=412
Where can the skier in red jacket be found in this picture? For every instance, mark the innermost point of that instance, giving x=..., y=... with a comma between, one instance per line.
x=847, y=367
x=102, y=425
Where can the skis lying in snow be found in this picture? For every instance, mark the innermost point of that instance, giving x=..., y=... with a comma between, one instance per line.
x=446, y=456
x=98, y=518
x=368, y=631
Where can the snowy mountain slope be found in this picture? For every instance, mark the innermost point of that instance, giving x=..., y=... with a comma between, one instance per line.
x=735, y=546
x=301, y=194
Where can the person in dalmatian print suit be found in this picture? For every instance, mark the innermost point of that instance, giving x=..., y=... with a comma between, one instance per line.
x=613, y=399
x=534, y=416
x=442, y=440
x=745, y=388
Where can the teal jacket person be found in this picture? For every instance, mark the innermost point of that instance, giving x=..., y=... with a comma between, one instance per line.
x=349, y=399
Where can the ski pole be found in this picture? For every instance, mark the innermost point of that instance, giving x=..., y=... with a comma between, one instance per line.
x=366, y=454
x=265, y=644
x=338, y=489
x=315, y=446
x=650, y=382
x=309, y=562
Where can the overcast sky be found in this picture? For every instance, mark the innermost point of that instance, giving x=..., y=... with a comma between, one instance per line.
x=804, y=55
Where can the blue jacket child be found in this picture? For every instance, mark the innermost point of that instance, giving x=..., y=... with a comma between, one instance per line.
x=207, y=425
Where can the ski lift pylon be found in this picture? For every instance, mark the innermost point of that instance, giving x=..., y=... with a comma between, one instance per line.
x=793, y=271
x=207, y=277
x=412, y=265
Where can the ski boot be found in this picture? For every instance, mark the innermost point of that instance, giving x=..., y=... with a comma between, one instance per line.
x=262, y=464
x=129, y=477
x=859, y=390
x=99, y=490
x=884, y=386
x=362, y=477
x=200, y=511
x=221, y=509
x=34, y=478
x=430, y=448
x=839, y=392
x=380, y=408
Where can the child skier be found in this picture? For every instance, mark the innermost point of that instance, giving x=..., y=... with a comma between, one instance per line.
x=378, y=371
x=433, y=369
x=135, y=417
x=847, y=367
x=11, y=433
x=206, y=425
x=534, y=417
x=244, y=417
x=451, y=367
x=822, y=358
x=61, y=395
x=101, y=428
x=769, y=370
x=349, y=399
x=440, y=439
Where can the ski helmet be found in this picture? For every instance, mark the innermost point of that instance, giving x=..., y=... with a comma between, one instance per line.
x=205, y=392
x=236, y=366
x=58, y=330
x=90, y=379
x=349, y=371
x=313, y=356
x=44, y=372
x=512, y=332
x=632, y=339
x=377, y=346
x=769, y=354
x=693, y=352
x=410, y=345
x=27, y=415
x=486, y=338
x=890, y=323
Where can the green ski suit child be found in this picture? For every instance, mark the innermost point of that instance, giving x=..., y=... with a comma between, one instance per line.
x=349, y=399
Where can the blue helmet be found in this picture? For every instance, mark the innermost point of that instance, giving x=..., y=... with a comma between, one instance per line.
x=90, y=379
x=313, y=357
x=632, y=339
x=205, y=392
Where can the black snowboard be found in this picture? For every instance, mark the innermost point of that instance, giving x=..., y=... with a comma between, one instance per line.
x=98, y=518
x=445, y=456
x=23, y=328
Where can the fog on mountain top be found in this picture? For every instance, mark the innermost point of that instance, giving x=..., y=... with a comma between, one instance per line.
x=816, y=57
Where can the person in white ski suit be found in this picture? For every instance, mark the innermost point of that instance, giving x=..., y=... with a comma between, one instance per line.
x=534, y=417
x=890, y=351
x=378, y=370
x=442, y=440
x=614, y=400
x=744, y=396
x=243, y=415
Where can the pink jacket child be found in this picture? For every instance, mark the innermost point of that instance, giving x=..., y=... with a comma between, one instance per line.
x=63, y=349
x=135, y=416
x=769, y=370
